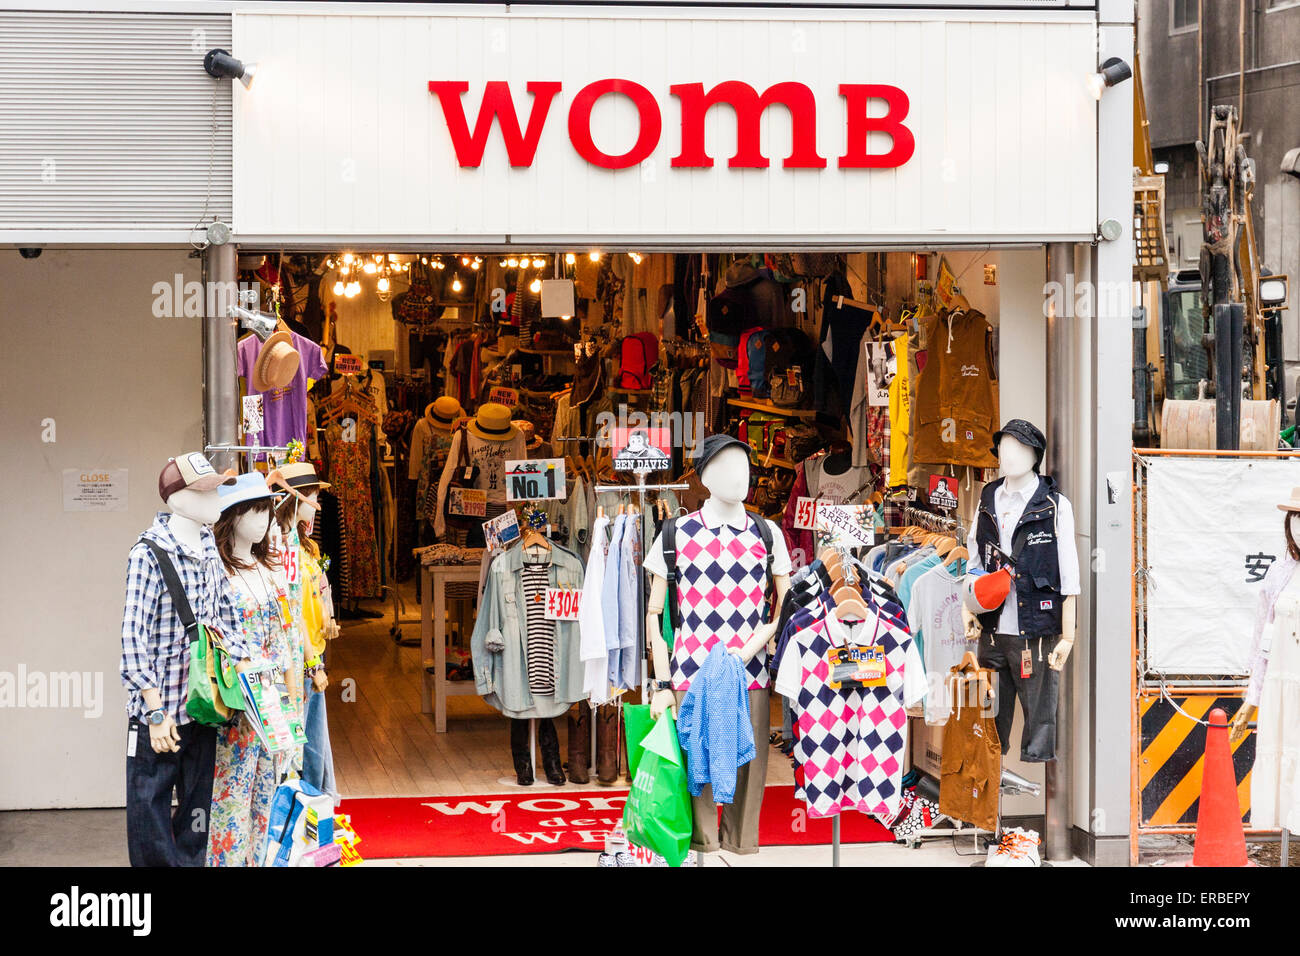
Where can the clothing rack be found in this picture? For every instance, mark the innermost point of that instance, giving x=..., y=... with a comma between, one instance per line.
x=248, y=450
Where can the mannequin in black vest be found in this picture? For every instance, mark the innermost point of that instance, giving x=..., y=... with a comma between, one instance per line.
x=1028, y=638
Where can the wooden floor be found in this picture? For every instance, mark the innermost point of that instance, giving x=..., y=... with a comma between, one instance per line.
x=384, y=747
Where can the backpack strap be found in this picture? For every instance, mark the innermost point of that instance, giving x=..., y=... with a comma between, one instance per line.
x=668, y=538
x=179, y=600
x=765, y=532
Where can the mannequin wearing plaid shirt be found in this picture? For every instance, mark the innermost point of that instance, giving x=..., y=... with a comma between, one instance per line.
x=177, y=754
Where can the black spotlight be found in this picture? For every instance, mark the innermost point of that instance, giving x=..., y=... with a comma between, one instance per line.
x=221, y=65
x=30, y=252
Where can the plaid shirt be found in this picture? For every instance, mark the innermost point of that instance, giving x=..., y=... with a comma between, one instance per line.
x=155, y=652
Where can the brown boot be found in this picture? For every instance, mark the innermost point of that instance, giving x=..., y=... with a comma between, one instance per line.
x=607, y=744
x=579, y=743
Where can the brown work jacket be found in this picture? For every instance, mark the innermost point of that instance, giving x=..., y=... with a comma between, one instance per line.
x=956, y=410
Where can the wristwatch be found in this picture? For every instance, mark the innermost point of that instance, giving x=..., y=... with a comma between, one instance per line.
x=663, y=685
x=156, y=717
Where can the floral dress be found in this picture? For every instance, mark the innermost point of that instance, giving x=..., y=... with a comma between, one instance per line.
x=350, y=476
x=246, y=776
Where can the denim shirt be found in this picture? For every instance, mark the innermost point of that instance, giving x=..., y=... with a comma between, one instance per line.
x=499, y=645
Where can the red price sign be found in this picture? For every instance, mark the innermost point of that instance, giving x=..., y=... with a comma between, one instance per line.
x=562, y=604
x=289, y=558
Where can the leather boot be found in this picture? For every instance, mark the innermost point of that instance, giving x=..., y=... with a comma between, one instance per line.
x=519, y=751
x=607, y=744
x=548, y=742
x=579, y=743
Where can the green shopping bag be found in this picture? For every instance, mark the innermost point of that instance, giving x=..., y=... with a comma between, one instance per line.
x=657, y=814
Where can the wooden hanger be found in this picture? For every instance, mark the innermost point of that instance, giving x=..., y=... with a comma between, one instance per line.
x=957, y=553
x=849, y=603
x=533, y=538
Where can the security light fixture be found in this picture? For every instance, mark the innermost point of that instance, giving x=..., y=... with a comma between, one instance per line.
x=1113, y=71
x=1161, y=168
x=220, y=65
x=1111, y=229
x=218, y=233
x=1273, y=291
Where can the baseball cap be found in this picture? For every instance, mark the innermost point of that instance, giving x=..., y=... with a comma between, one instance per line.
x=190, y=470
x=247, y=487
x=713, y=444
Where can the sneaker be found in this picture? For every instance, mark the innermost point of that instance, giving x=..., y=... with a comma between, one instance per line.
x=624, y=859
x=606, y=859
x=1017, y=848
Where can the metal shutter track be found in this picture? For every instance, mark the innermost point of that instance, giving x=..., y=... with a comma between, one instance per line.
x=118, y=109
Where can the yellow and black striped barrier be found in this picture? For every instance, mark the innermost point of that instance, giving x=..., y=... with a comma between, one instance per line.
x=1172, y=757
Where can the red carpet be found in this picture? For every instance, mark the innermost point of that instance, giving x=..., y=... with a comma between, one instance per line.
x=546, y=820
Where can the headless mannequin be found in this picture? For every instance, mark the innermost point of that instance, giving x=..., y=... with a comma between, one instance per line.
x=1016, y=461
x=727, y=479
x=191, y=510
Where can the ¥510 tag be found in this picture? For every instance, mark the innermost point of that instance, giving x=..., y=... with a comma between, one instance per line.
x=805, y=512
x=562, y=604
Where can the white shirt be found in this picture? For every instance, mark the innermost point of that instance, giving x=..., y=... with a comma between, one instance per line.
x=1008, y=506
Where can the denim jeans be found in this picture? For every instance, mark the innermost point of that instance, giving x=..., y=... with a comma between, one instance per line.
x=155, y=835
x=318, y=757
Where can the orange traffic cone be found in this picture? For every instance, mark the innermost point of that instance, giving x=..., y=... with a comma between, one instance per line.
x=1220, y=840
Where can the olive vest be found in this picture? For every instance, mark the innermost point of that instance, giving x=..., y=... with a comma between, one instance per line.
x=956, y=409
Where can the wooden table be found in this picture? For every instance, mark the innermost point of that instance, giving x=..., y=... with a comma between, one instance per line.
x=433, y=638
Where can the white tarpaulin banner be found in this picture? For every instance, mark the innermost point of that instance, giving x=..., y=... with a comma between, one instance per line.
x=1213, y=531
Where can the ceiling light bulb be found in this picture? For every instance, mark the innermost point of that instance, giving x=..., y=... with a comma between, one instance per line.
x=392, y=257
x=338, y=288
x=464, y=260
x=354, y=287
x=455, y=283
x=382, y=284
x=475, y=264
x=424, y=259
x=379, y=257
x=635, y=257
x=504, y=263
x=538, y=263
x=594, y=255
x=512, y=263
x=535, y=285
x=371, y=268
x=570, y=258
x=347, y=257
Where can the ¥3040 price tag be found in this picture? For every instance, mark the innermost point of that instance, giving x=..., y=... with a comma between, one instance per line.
x=562, y=604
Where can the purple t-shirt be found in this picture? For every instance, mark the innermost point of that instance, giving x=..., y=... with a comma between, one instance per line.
x=284, y=410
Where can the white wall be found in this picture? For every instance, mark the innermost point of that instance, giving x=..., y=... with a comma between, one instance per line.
x=124, y=390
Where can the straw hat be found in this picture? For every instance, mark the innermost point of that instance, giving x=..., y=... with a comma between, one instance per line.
x=492, y=423
x=1293, y=504
x=297, y=478
x=277, y=363
x=530, y=434
x=444, y=413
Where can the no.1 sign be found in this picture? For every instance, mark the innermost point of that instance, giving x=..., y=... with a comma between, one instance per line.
x=562, y=604
x=537, y=479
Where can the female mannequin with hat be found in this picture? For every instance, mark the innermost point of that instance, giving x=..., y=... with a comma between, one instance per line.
x=430, y=445
x=312, y=607
x=485, y=444
x=1272, y=697
x=246, y=773
x=742, y=565
x=1028, y=618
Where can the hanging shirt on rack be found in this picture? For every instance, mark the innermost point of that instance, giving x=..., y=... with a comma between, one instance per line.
x=851, y=741
x=591, y=619
x=935, y=610
x=609, y=602
x=284, y=409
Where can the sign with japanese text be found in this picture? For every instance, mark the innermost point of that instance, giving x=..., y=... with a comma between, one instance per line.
x=469, y=502
x=94, y=489
x=535, y=479
x=501, y=530
x=1213, y=531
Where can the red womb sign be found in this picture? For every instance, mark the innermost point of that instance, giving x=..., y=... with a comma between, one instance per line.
x=498, y=107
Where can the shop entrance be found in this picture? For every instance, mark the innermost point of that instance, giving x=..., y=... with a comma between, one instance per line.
x=797, y=354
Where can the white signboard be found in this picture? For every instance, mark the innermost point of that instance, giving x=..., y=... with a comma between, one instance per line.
x=1213, y=531
x=568, y=126
x=851, y=526
x=94, y=489
x=535, y=479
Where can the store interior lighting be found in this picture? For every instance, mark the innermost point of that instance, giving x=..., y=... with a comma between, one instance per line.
x=1113, y=72
x=220, y=65
x=594, y=255
x=570, y=258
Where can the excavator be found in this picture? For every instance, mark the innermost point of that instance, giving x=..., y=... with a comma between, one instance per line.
x=1207, y=342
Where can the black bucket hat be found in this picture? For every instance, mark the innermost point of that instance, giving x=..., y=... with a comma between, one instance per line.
x=713, y=444
x=1025, y=433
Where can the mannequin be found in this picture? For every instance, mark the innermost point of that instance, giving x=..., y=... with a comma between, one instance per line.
x=169, y=755
x=1271, y=697
x=489, y=440
x=1024, y=515
x=246, y=773
x=724, y=469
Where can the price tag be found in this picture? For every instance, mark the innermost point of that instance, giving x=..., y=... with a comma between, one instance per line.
x=469, y=502
x=289, y=558
x=562, y=604
x=805, y=512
